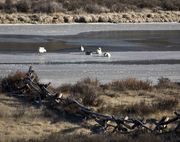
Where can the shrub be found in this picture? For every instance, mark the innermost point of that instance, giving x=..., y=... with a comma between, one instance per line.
x=10, y=83
x=171, y=5
x=91, y=8
x=9, y=6
x=148, y=4
x=64, y=88
x=47, y=7
x=88, y=90
x=130, y=84
x=165, y=83
x=14, y=81
x=24, y=6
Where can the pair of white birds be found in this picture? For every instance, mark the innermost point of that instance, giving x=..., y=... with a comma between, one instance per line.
x=99, y=52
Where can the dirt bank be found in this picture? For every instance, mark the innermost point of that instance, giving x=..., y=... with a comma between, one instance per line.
x=128, y=17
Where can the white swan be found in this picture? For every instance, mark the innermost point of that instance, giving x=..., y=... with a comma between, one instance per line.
x=107, y=54
x=99, y=51
x=82, y=48
x=42, y=50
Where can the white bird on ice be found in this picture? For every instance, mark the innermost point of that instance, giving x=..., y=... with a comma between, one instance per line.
x=82, y=48
x=107, y=54
x=42, y=50
x=99, y=51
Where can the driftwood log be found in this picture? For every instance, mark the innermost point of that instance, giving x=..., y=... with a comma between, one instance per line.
x=30, y=84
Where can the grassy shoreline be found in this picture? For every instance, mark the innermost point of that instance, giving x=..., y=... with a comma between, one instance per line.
x=132, y=97
x=121, y=17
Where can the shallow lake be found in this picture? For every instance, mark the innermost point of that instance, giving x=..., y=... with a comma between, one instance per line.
x=139, y=51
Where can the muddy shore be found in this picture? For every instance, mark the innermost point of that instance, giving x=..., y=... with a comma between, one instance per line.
x=128, y=17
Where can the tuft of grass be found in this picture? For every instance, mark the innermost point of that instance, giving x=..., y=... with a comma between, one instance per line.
x=129, y=84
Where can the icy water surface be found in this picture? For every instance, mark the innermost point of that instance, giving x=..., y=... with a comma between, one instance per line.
x=62, y=68
x=142, y=51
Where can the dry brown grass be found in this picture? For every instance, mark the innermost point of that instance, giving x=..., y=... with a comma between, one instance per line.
x=58, y=137
x=166, y=83
x=20, y=120
x=133, y=97
x=158, y=105
x=142, y=108
x=129, y=84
